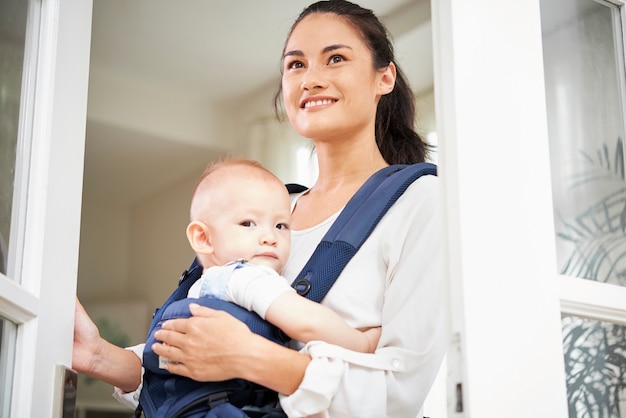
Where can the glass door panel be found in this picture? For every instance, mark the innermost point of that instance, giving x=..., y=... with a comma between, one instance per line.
x=8, y=334
x=584, y=88
x=13, y=23
x=584, y=79
x=595, y=363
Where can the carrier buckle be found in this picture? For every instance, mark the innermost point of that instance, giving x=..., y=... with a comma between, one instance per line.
x=217, y=399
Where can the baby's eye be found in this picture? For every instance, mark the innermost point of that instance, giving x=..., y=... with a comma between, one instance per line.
x=247, y=224
x=282, y=226
x=335, y=59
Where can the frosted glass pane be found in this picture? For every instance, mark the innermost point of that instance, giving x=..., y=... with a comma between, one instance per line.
x=8, y=332
x=584, y=72
x=595, y=363
x=13, y=15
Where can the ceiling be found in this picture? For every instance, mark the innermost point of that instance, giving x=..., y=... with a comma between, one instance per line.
x=201, y=51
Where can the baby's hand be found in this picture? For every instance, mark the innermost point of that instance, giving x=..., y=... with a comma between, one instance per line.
x=372, y=335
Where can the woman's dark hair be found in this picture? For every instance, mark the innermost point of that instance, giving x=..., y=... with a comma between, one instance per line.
x=395, y=117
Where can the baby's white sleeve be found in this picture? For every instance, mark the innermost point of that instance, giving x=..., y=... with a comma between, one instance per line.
x=255, y=288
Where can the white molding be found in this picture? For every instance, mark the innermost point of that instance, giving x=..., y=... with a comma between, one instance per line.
x=618, y=3
x=17, y=304
x=40, y=160
x=592, y=299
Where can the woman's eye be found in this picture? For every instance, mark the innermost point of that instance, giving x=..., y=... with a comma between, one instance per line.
x=335, y=59
x=294, y=65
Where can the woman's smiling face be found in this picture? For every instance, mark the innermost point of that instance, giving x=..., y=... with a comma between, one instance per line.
x=330, y=86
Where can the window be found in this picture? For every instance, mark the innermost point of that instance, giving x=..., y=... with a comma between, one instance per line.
x=12, y=50
x=13, y=30
x=584, y=77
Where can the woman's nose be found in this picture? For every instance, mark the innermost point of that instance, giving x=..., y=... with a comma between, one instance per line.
x=312, y=79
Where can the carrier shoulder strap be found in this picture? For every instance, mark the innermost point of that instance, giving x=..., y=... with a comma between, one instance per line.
x=188, y=278
x=354, y=225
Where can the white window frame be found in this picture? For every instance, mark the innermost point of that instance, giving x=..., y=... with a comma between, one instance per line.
x=593, y=300
x=40, y=295
x=586, y=298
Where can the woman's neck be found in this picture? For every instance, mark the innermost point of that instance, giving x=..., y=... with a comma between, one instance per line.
x=339, y=168
x=340, y=176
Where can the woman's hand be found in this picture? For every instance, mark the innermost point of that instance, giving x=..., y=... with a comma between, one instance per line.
x=87, y=341
x=213, y=345
x=205, y=347
x=97, y=358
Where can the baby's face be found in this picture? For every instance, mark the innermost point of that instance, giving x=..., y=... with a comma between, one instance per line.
x=252, y=222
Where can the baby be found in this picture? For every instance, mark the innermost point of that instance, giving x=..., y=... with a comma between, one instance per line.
x=240, y=231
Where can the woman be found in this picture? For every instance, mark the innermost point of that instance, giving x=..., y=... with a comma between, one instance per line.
x=342, y=89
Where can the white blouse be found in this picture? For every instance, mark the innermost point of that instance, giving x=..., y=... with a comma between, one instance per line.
x=395, y=281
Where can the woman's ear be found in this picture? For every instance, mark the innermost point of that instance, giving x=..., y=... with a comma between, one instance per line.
x=387, y=80
x=199, y=239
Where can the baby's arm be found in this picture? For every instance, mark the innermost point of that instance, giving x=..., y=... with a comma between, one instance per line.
x=305, y=320
x=262, y=290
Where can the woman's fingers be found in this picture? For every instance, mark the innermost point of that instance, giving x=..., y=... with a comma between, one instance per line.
x=199, y=310
x=197, y=345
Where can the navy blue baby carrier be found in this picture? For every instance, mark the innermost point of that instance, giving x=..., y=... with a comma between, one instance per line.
x=170, y=396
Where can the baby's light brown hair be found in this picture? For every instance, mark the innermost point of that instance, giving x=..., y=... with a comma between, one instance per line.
x=204, y=183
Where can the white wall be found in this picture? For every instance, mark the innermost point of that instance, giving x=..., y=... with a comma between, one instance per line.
x=103, y=262
x=425, y=109
x=158, y=244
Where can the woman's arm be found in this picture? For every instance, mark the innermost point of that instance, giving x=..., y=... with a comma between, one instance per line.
x=305, y=320
x=213, y=345
x=97, y=358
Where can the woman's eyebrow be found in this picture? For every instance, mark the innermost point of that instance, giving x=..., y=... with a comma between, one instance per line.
x=294, y=53
x=329, y=48
x=334, y=47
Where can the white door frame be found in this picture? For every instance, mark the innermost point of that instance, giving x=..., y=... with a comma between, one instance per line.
x=41, y=298
x=491, y=116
